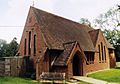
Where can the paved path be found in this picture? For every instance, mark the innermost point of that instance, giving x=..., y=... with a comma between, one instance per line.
x=90, y=80
x=117, y=64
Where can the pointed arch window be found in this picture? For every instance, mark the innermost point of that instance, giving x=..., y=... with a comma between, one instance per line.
x=29, y=43
x=99, y=50
x=25, y=47
x=105, y=53
x=102, y=52
x=34, y=50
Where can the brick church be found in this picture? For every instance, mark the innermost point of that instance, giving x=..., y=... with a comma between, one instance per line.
x=56, y=44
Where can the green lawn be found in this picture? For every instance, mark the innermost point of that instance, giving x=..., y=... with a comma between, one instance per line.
x=16, y=80
x=112, y=75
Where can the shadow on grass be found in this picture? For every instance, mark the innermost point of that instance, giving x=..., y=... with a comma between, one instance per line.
x=117, y=68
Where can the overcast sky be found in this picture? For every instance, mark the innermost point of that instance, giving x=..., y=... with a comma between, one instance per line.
x=13, y=13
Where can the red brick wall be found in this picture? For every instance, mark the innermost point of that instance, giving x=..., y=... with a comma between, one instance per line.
x=112, y=58
x=32, y=26
x=97, y=65
x=91, y=67
x=43, y=66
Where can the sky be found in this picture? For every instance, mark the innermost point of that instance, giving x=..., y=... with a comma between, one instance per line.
x=13, y=13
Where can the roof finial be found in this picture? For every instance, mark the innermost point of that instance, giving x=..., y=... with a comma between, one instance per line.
x=33, y=3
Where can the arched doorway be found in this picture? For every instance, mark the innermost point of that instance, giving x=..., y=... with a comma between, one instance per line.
x=77, y=65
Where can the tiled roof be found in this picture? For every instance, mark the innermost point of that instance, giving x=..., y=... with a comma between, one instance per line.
x=62, y=34
x=58, y=30
x=108, y=44
x=62, y=59
x=94, y=35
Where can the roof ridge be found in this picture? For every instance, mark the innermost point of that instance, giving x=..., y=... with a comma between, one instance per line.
x=62, y=30
x=69, y=42
x=94, y=30
x=55, y=15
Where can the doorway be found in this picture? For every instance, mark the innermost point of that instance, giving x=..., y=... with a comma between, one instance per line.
x=77, y=65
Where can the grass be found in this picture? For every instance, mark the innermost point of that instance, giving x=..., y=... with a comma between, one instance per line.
x=16, y=80
x=112, y=75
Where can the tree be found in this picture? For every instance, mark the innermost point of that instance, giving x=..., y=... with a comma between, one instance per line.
x=85, y=21
x=12, y=47
x=8, y=49
x=3, y=47
x=109, y=22
x=113, y=36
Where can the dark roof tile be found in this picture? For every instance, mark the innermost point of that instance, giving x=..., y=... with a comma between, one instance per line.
x=94, y=35
x=62, y=59
x=57, y=30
